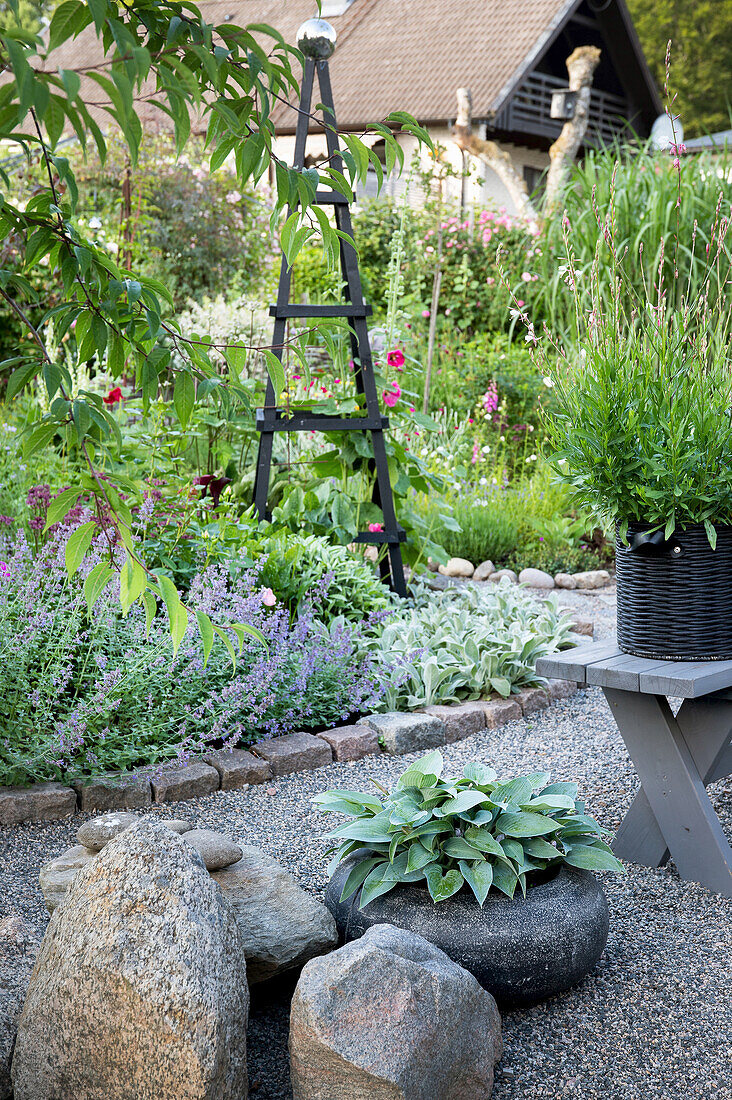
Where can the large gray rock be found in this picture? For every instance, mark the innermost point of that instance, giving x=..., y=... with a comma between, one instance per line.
x=56, y=877
x=140, y=986
x=282, y=926
x=390, y=1017
x=19, y=944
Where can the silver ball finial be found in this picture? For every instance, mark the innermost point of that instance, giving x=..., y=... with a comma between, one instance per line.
x=317, y=39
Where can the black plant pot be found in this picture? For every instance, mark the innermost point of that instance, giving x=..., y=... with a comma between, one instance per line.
x=675, y=595
x=520, y=950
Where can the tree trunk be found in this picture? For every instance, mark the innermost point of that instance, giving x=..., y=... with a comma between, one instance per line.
x=491, y=154
x=581, y=65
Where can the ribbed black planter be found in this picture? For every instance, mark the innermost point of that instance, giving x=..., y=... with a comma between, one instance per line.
x=675, y=595
x=520, y=950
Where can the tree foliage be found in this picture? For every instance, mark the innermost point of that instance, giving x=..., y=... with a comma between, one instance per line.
x=700, y=32
x=233, y=76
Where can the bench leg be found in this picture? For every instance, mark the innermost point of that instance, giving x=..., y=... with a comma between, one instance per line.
x=670, y=756
x=707, y=728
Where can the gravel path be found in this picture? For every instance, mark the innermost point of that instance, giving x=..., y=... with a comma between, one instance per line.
x=653, y=1021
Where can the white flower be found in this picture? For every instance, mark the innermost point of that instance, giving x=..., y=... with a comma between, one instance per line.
x=547, y=381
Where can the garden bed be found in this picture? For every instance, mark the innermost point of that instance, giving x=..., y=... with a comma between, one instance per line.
x=651, y=1020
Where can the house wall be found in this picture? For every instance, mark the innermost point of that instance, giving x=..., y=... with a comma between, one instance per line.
x=482, y=187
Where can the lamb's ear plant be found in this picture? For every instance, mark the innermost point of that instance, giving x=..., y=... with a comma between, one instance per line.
x=473, y=830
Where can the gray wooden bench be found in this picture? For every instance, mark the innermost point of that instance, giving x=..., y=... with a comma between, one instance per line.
x=675, y=757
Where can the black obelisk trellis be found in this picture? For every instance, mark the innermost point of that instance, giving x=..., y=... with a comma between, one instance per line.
x=271, y=418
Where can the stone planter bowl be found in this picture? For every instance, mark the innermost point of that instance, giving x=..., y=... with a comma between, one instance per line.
x=521, y=950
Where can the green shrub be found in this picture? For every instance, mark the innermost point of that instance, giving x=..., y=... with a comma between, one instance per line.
x=471, y=830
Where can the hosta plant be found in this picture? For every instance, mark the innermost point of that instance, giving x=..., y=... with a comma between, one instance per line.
x=474, y=830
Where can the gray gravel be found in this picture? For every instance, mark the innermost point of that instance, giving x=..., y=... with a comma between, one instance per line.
x=652, y=1023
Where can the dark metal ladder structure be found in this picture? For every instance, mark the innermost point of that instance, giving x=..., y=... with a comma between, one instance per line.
x=271, y=418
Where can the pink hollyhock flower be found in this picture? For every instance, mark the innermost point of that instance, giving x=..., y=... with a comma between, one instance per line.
x=425, y=313
x=395, y=358
x=374, y=527
x=268, y=597
x=392, y=396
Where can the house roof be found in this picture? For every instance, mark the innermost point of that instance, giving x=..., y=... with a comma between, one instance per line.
x=408, y=55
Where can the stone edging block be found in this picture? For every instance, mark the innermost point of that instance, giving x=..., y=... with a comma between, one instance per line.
x=192, y=781
x=41, y=802
x=294, y=752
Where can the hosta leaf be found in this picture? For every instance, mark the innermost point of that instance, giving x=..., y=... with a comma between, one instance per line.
x=550, y=802
x=570, y=789
x=592, y=859
x=479, y=774
x=485, y=841
x=515, y=792
x=442, y=887
x=466, y=800
x=540, y=849
x=458, y=848
x=525, y=823
x=479, y=877
x=505, y=879
x=357, y=875
x=418, y=856
x=370, y=829
x=355, y=800
x=431, y=764
x=376, y=884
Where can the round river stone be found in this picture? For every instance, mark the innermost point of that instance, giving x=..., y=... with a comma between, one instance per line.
x=215, y=850
x=100, y=830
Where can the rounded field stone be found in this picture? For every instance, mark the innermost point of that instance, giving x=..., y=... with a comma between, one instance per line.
x=98, y=832
x=501, y=573
x=457, y=567
x=521, y=950
x=215, y=850
x=536, y=578
x=177, y=824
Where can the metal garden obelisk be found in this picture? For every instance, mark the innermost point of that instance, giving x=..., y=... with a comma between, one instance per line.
x=316, y=40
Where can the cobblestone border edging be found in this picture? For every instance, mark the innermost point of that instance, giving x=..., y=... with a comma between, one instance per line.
x=394, y=733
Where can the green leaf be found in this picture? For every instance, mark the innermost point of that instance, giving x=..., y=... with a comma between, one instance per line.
x=275, y=370
x=184, y=397
x=479, y=877
x=96, y=582
x=177, y=614
x=485, y=841
x=205, y=629
x=358, y=874
x=592, y=859
x=377, y=883
x=20, y=378
x=442, y=887
x=466, y=800
x=458, y=848
x=505, y=879
x=60, y=505
x=151, y=608
x=77, y=546
x=418, y=856
x=133, y=580
x=479, y=774
x=516, y=791
x=68, y=20
x=525, y=823
x=431, y=764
